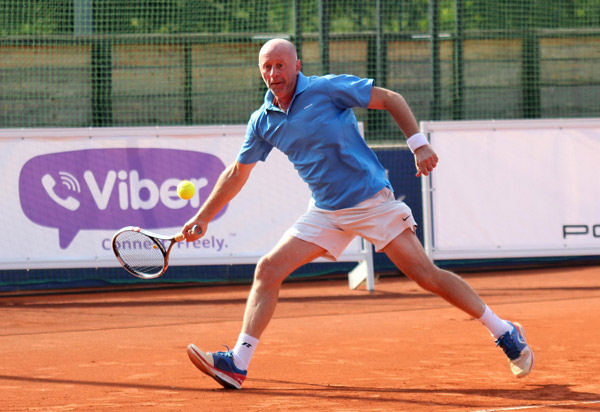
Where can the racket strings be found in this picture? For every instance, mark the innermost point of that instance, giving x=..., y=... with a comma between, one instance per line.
x=140, y=253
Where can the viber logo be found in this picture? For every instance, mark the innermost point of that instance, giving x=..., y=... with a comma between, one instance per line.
x=112, y=188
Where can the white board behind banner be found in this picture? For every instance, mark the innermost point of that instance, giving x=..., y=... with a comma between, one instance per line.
x=513, y=189
x=66, y=191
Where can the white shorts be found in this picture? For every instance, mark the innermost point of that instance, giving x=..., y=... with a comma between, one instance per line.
x=378, y=219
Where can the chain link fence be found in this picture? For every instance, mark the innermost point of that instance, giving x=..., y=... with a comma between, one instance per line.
x=93, y=63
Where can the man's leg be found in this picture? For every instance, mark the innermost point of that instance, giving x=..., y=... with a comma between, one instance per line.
x=407, y=253
x=229, y=368
x=288, y=255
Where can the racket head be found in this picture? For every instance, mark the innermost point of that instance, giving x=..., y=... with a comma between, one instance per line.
x=140, y=252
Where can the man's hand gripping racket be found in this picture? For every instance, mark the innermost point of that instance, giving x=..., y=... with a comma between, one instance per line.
x=143, y=253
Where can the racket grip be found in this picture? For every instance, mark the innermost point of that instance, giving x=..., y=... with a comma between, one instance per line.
x=197, y=230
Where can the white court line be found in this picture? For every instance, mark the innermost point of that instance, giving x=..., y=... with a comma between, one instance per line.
x=519, y=408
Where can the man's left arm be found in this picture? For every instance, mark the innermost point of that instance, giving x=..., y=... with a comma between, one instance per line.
x=383, y=99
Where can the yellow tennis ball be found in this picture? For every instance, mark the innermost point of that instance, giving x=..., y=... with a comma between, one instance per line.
x=186, y=189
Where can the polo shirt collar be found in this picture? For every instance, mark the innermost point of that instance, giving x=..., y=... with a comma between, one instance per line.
x=301, y=85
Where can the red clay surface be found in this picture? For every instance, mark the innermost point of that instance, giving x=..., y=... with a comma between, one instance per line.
x=327, y=349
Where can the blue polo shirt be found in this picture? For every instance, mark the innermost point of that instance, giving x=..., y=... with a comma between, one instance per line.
x=319, y=134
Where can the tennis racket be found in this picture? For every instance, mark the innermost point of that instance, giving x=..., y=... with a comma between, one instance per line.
x=143, y=253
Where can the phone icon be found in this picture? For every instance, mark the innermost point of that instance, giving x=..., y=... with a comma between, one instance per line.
x=69, y=203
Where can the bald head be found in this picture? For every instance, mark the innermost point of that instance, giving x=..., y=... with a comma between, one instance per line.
x=282, y=46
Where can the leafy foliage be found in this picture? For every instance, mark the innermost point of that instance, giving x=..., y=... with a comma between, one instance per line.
x=38, y=17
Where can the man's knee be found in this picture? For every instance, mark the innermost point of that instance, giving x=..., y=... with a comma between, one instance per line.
x=427, y=276
x=268, y=273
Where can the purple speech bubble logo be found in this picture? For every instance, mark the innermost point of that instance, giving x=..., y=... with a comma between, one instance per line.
x=112, y=188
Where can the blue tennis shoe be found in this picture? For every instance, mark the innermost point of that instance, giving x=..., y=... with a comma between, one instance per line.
x=219, y=366
x=520, y=355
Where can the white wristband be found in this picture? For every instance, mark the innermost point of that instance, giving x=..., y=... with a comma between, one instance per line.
x=417, y=140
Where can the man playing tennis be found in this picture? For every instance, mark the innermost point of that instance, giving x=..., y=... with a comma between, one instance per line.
x=310, y=119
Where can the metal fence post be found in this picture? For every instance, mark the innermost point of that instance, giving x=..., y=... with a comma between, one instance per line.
x=458, y=65
x=324, y=36
x=101, y=71
x=530, y=80
x=102, y=83
x=436, y=95
x=188, y=80
x=377, y=69
x=298, y=27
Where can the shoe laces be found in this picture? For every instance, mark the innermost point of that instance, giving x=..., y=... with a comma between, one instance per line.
x=229, y=363
x=228, y=353
x=509, y=346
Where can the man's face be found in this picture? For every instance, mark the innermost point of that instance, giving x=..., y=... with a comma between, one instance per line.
x=279, y=68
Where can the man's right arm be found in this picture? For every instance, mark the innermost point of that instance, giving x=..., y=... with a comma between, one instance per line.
x=227, y=187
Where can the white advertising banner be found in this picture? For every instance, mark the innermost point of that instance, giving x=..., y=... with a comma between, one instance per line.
x=513, y=189
x=66, y=191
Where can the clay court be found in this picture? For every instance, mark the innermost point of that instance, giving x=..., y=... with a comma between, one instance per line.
x=328, y=348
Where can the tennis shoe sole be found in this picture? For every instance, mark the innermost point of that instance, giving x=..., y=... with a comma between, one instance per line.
x=523, y=365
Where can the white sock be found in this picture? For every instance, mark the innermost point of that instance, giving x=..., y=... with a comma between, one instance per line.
x=494, y=324
x=243, y=351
